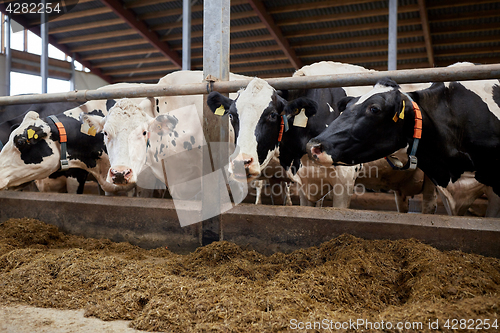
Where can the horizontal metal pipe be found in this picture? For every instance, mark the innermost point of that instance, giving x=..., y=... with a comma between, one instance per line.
x=455, y=73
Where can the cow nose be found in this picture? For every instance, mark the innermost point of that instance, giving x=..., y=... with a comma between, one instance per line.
x=247, y=162
x=120, y=176
x=314, y=149
x=244, y=163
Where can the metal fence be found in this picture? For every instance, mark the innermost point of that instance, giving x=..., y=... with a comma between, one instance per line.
x=454, y=73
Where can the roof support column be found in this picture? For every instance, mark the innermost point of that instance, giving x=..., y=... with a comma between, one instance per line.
x=44, y=58
x=73, y=73
x=186, y=35
x=8, y=54
x=393, y=35
x=216, y=16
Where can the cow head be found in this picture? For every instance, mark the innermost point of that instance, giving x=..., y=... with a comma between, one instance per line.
x=29, y=154
x=369, y=127
x=256, y=118
x=123, y=127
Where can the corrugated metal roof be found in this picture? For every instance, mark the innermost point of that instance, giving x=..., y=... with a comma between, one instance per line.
x=351, y=31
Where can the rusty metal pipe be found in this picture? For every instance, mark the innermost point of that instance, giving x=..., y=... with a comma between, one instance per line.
x=457, y=73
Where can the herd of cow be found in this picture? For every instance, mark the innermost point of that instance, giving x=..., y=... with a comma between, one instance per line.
x=325, y=141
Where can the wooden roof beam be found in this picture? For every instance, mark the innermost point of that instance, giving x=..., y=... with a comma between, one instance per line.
x=150, y=69
x=104, y=46
x=275, y=31
x=85, y=26
x=427, y=32
x=130, y=17
x=118, y=54
x=102, y=35
x=132, y=62
x=79, y=14
x=53, y=41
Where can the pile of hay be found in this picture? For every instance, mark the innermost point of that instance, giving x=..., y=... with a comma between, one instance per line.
x=222, y=287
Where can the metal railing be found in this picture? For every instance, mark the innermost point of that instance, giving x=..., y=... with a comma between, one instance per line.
x=454, y=73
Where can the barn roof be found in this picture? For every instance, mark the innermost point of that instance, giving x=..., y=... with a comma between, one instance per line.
x=141, y=40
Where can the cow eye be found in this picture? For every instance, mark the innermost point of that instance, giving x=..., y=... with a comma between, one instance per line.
x=105, y=133
x=374, y=109
x=144, y=133
x=273, y=116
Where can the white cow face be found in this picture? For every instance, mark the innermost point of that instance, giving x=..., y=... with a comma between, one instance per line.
x=123, y=127
x=29, y=154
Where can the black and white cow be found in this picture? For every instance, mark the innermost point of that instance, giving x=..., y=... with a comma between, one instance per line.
x=460, y=129
x=13, y=115
x=26, y=158
x=34, y=151
x=258, y=111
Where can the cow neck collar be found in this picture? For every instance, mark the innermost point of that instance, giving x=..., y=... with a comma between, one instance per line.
x=63, y=139
x=283, y=127
x=417, y=135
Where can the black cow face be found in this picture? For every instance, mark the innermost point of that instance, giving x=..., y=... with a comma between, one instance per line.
x=370, y=127
x=221, y=106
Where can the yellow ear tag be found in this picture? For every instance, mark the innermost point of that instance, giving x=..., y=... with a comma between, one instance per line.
x=92, y=131
x=300, y=119
x=89, y=130
x=220, y=111
x=402, y=114
x=30, y=133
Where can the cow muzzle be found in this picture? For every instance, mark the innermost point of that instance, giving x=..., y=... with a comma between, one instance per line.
x=316, y=152
x=244, y=168
x=120, y=175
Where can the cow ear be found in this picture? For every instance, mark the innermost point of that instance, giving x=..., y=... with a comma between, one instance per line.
x=148, y=105
x=161, y=123
x=91, y=124
x=110, y=103
x=342, y=104
x=283, y=93
x=31, y=135
x=219, y=104
x=294, y=107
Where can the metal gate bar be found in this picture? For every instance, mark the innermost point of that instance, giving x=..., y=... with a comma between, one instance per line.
x=455, y=73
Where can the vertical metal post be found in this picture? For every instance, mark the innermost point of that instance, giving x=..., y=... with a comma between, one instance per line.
x=72, y=80
x=2, y=33
x=393, y=35
x=8, y=54
x=25, y=40
x=44, y=58
x=186, y=35
x=216, y=16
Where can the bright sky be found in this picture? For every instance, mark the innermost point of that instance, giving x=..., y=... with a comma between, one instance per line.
x=25, y=83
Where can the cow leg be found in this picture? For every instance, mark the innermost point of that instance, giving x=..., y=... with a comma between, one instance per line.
x=493, y=209
x=343, y=200
x=401, y=202
x=447, y=199
x=288, y=196
x=304, y=201
x=429, y=197
x=82, y=179
x=258, y=191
